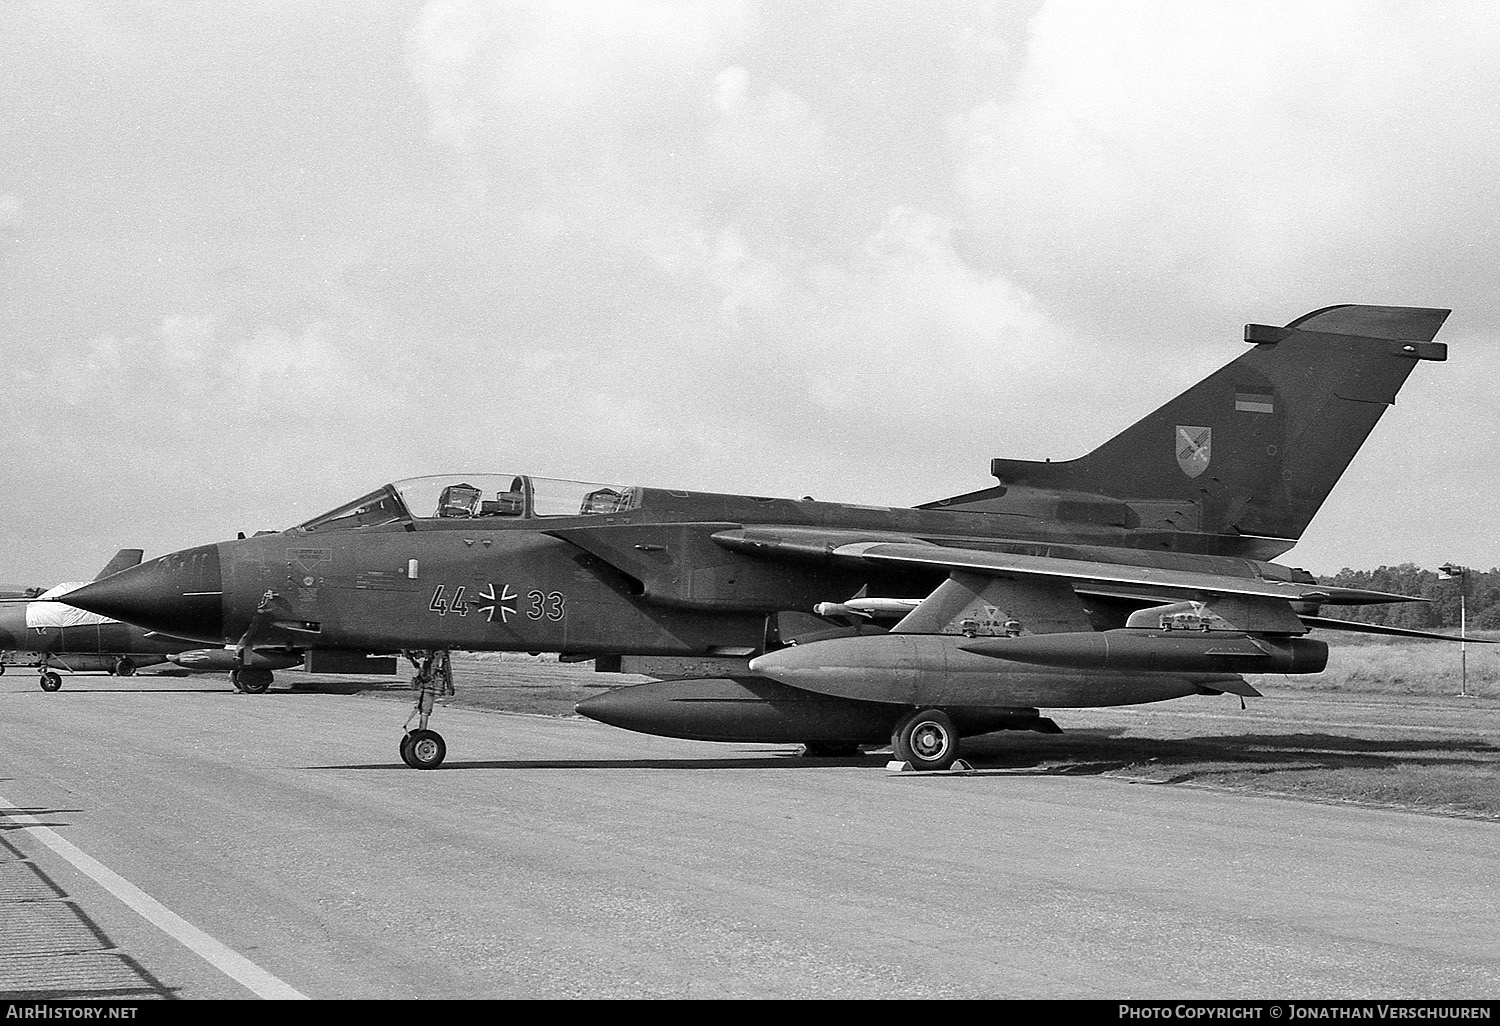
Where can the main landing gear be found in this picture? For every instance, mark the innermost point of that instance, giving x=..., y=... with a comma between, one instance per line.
x=51, y=680
x=925, y=738
x=251, y=682
x=433, y=681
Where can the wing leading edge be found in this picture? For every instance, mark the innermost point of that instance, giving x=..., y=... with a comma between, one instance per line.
x=1089, y=574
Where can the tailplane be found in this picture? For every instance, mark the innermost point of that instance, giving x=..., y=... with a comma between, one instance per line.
x=1243, y=459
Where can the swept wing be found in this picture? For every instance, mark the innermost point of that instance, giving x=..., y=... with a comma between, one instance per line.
x=1086, y=575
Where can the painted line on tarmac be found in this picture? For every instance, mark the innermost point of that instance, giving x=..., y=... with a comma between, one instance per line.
x=223, y=958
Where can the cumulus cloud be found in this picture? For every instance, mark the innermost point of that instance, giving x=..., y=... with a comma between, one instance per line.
x=541, y=84
x=903, y=315
x=687, y=213
x=10, y=211
x=769, y=141
x=195, y=372
x=1232, y=150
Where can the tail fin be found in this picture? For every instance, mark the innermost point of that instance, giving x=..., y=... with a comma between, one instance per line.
x=124, y=559
x=1246, y=455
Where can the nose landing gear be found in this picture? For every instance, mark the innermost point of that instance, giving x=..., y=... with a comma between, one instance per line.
x=433, y=682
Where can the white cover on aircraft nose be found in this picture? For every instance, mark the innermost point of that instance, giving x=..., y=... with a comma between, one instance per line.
x=42, y=613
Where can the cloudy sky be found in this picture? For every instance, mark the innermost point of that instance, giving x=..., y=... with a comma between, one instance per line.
x=257, y=259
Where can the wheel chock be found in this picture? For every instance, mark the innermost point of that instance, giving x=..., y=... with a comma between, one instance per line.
x=960, y=767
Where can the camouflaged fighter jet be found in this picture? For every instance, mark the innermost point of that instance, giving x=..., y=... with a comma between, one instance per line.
x=42, y=631
x=1136, y=573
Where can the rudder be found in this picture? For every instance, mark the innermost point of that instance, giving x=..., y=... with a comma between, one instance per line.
x=1255, y=448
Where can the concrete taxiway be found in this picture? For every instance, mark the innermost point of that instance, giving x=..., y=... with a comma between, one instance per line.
x=169, y=838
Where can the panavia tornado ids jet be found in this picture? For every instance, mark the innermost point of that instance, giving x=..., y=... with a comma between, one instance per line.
x=1136, y=573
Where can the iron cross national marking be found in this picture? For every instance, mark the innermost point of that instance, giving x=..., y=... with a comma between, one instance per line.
x=1194, y=446
x=506, y=603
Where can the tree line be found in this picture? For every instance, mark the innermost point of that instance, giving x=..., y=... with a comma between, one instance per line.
x=1480, y=591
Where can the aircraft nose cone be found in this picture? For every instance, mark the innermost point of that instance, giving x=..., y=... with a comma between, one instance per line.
x=181, y=594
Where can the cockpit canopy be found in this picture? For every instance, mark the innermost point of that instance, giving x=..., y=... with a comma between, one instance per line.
x=476, y=496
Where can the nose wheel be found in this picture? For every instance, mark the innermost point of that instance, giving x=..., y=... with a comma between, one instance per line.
x=50, y=681
x=423, y=749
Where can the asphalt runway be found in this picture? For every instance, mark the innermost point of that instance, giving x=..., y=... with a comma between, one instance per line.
x=167, y=838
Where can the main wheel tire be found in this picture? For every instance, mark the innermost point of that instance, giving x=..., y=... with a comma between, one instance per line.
x=50, y=681
x=124, y=667
x=423, y=749
x=2, y=669
x=253, y=682
x=927, y=739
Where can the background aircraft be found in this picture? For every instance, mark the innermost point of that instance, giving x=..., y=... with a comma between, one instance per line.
x=44, y=632
x=1135, y=573
x=39, y=631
